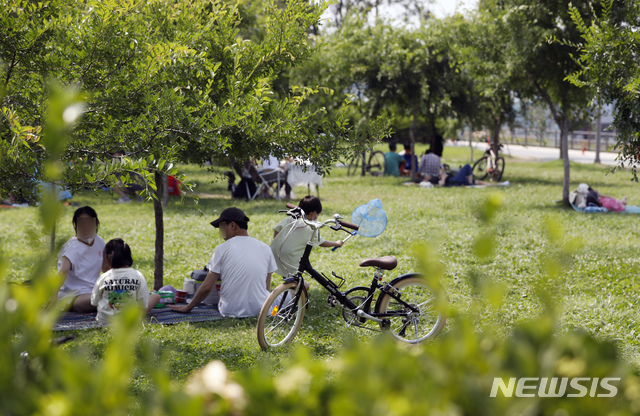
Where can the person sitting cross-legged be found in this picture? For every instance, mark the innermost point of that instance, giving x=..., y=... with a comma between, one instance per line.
x=244, y=265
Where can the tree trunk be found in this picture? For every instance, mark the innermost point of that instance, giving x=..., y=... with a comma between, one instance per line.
x=52, y=241
x=495, y=134
x=159, y=256
x=165, y=190
x=564, y=148
x=598, y=134
x=412, y=135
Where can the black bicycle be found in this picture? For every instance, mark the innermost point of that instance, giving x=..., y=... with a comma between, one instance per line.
x=406, y=305
x=373, y=166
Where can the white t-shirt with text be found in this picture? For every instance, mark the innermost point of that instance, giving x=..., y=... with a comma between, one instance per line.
x=116, y=287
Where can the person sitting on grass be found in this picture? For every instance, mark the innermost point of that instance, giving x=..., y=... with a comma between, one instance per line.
x=409, y=159
x=393, y=162
x=430, y=167
x=290, y=237
x=81, y=259
x=120, y=283
x=242, y=263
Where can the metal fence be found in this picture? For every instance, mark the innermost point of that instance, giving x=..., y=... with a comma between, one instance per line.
x=578, y=139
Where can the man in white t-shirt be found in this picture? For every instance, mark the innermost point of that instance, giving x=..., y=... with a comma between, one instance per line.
x=243, y=264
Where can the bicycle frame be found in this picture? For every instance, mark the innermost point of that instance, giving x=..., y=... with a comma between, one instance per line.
x=363, y=311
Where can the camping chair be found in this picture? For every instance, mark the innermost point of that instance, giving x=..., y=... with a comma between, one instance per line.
x=266, y=178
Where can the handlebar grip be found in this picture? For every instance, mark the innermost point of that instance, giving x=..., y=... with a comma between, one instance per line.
x=291, y=206
x=349, y=225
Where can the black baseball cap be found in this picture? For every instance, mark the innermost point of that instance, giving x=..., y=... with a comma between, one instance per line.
x=230, y=214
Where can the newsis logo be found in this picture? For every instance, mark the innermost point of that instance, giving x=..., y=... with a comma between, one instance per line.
x=555, y=387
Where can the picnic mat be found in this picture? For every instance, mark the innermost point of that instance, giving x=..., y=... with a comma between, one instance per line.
x=631, y=209
x=71, y=321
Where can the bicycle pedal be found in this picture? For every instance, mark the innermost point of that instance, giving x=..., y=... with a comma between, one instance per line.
x=331, y=301
x=385, y=324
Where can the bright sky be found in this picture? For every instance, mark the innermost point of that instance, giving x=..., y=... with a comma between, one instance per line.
x=440, y=8
x=443, y=8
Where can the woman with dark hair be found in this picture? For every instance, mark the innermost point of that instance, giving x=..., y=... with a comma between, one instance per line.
x=80, y=260
x=120, y=283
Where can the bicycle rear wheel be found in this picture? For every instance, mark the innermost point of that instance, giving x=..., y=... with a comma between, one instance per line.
x=376, y=163
x=281, y=317
x=413, y=327
x=480, y=170
x=498, y=169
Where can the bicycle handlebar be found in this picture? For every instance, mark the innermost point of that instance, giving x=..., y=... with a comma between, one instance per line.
x=316, y=224
x=348, y=225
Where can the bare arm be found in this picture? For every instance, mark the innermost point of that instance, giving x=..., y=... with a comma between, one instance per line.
x=64, y=267
x=269, y=282
x=206, y=287
x=328, y=243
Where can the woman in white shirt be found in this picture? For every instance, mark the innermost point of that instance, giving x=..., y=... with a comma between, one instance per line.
x=120, y=283
x=80, y=260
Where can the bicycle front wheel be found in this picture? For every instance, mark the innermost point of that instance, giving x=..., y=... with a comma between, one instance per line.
x=281, y=317
x=406, y=325
x=480, y=169
x=355, y=166
x=376, y=163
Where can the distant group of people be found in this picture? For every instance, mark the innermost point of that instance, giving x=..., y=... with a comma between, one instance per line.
x=430, y=168
x=99, y=277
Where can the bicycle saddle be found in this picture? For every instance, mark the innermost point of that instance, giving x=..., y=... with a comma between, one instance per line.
x=386, y=262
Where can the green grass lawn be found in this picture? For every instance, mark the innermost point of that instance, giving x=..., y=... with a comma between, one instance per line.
x=599, y=292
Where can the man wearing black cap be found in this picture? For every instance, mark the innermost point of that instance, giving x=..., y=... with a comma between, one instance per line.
x=244, y=266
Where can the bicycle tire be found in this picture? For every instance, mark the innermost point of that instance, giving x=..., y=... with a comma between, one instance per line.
x=412, y=287
x=355, y=166
x=480, y=168
x=286, y=312
x=377, y=164
x=498, y=169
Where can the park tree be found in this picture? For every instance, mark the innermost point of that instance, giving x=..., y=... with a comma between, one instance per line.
x=165, y=82
x=478, y=46
x=540, y=65
x=606, y=62
x=401, y=72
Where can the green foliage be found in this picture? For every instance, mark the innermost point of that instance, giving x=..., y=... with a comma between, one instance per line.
x=164, y=82
x=605, y=56
x=402, y=72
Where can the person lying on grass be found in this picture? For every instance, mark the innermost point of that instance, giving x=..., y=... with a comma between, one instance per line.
x=120, y=283
x=80, y=260
x=586, y=196
x=290, y=237
x=464, y=177
x=242, y=263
